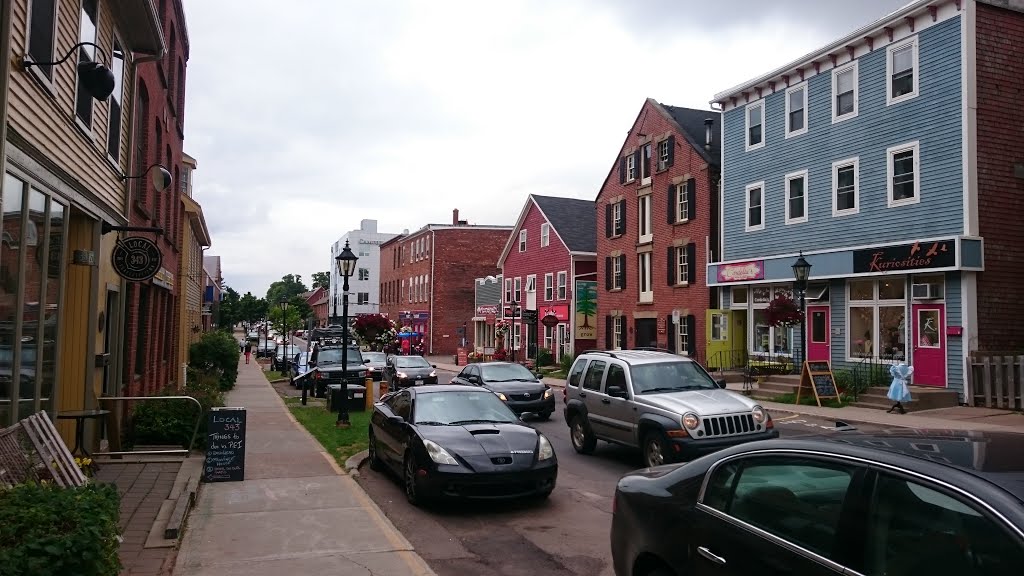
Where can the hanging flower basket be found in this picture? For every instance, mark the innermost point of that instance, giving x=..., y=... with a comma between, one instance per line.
x=501, y=327
x=783, y=311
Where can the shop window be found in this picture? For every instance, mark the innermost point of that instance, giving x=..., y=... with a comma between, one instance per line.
x=739, y=296
x=767, y=339
x=618, y=330
x=877, y=319
x=13, y=194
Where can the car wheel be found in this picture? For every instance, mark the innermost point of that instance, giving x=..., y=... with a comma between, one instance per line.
x=376, y=464
x=583, y=440
x=656, y=449
x=544, y=416
x=409, y=480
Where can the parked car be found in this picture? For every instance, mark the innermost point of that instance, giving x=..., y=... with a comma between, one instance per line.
x=462, y=442
x=265, y=348
x=899, y=503
x=326, y=368
x=300, y=366
x=514, y=384
x=375, y=362
x=403, y=371
x=284, y=357
x=665, y=404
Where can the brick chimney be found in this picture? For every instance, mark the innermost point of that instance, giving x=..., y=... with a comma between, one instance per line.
x=455, y=217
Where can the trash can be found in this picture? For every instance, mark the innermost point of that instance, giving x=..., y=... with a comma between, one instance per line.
x=356, y=397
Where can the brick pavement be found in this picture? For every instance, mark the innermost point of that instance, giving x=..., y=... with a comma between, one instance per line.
x=143, y=487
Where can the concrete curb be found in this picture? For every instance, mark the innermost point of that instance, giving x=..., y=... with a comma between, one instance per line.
x=355, y=461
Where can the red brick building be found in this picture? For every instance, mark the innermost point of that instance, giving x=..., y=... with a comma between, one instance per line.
x=550, y=249
x=427, y=278
x=657, y=218
x=158, y=131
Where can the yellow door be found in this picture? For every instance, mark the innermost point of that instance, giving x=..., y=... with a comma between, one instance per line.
x=719, y=344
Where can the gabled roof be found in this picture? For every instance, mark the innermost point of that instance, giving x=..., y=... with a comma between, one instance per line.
x=572, y=219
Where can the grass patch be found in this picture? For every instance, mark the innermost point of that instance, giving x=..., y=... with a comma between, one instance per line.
x=339, y=443
x=274, y=375
x=808, y=400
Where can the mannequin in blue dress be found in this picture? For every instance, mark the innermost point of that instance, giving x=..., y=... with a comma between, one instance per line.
x=899, y=391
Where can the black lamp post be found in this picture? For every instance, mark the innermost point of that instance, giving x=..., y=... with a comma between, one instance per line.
x=346, y=263
x=512, y=336
x=283, y=305
x=801, y=272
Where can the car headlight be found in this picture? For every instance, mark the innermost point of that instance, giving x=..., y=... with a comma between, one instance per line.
x=501, y=397
x=759, y=414
x=548, y=393
x=401, y=375
x=438, y=454
x=691, y=421
x=433, y=374
x=544, y=449
x=361, y=374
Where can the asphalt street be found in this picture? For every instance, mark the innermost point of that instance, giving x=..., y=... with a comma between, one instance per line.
x=565, y=535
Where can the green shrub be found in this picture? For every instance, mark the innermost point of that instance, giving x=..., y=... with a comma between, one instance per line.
x=566, y=362
x=543, y=357
x=47, y=530
x=216, y=353
x=156, y=422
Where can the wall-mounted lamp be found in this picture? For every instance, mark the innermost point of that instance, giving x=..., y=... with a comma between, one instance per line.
x=161, y=178
x=96, y=78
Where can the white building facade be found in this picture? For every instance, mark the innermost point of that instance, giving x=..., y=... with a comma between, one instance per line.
x=364, y=285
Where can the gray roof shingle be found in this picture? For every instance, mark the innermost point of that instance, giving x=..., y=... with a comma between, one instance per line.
x=573, y=219
x=692, y=123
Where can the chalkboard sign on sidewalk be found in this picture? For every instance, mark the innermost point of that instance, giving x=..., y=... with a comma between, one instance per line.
x=225, y=450
x=819, y=378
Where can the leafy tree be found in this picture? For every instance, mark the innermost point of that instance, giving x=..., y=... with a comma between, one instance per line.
x=216, y=353
x=321, y=279
x=305, y=310
x=279, y=320
x=228, y=309
x=249, y=308
x=288, y=286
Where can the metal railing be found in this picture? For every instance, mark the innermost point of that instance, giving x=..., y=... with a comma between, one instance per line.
x=195, y=428
x=727, y=360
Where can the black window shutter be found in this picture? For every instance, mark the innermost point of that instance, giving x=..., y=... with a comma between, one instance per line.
x=691, y=335
x=622, y=170
x=691, y=197
x=622, y=275
x=671, y=150
x=691, y=263
x=670, y=327
x=637, y=159
x=608, y=273
x=671, y=265
x=608, y=344
x=608, y=220
x=622, y=221
x=672, y=201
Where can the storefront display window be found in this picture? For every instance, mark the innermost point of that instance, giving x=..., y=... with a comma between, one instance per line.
x=877, y=319
x=767, y=339
x=10, y=246
x=32, y=308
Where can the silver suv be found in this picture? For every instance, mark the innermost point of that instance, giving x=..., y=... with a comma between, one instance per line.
x=666, y=405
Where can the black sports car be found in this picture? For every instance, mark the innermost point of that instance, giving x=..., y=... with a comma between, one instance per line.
x=402, y=371
x=521, y=389
x=461, y=442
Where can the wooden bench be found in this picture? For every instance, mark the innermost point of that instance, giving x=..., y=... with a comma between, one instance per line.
x=32, y=450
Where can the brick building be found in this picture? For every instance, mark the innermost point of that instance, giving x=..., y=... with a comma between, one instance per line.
x=427, y=278
x=550, y=250
x=657, y=221
x=158, y=131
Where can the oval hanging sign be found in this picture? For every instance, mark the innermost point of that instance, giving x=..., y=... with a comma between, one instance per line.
x=136, y=259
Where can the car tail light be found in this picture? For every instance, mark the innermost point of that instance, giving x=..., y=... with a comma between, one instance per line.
x=317, y=376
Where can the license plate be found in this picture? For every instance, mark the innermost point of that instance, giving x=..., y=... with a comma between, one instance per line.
x=419, y=382
x=357, y=395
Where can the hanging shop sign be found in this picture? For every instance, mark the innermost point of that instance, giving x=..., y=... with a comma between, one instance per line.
x=136, y=259
x=916, y=256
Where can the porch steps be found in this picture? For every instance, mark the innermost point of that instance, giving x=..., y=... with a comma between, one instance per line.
x=924, y=398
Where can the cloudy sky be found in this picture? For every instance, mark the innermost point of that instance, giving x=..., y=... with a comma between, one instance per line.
x=305, y=121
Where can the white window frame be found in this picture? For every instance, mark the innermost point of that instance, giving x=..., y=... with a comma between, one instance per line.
x=517, y=292
x=89, y=127
x=855, y=162
x=516, y=334
x=616, y=272
x=877, y=302
x=682, y=266
x=682, y=338
x=549, y=337
x=645, y=284
x=531, y=283
x=746, y=133
x=663, y=154
x=508, y=290
x=563, y=290
x=362, y=298
x=855, y=70
x=890, y=154
x=549, y=287
x=889, y=51
x=800, y=174
x=631, y=167
x=118, y=95
x=801, y=87
x=545, y=234
x=747, y=206
x=645, y=228
x=49, y=82
x=682, y=202
x=618, y=331
x=721, y=322
x=645, y=163
x=522, y=240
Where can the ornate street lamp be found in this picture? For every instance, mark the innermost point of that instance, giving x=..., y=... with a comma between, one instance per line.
x=801, y=272
x=346, y=263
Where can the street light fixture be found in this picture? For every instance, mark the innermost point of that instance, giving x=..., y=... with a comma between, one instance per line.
x=801, y=272
x=97, y=79
x=346, y=263
x=283, y=305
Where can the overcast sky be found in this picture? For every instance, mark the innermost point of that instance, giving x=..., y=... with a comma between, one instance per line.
x=308, y=119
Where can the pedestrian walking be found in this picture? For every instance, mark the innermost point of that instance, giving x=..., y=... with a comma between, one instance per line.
x=899, y=392
x=248, y=351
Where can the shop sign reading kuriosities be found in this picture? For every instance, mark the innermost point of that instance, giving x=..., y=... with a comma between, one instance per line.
x=916, y=256
x=136, y=259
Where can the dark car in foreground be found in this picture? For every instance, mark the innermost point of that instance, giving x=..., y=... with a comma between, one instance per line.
x=459, y=442
x=521, y=389
x=899, y=503
x=375, y=362
x=404, y=371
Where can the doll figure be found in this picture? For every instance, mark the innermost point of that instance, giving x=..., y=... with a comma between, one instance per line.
x=899, y=392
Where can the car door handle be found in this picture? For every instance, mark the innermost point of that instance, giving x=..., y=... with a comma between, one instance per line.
x=711, y=556
x=583, y=394
x=606, y=400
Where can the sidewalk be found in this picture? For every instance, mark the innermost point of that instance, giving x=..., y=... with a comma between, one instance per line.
x=296, y=512
x=961, y=418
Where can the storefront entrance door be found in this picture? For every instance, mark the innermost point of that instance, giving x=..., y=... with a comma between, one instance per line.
x=719, y=339
x=929, y=359
x=819, y=345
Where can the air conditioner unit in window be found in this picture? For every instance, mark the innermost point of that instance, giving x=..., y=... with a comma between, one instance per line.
x=926, y=291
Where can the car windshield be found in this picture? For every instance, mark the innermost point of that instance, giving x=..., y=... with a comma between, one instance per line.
x=670, y=377
x=411, y=362
x=506, y=373
x=461, y=407
x=291, y=350
x=378, y=357
x=333, y=356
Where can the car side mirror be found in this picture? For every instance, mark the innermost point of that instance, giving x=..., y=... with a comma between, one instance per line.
x=396, y=420
x=366, y=361
x=616, y=391
x=433, y=365
x=539, y=375
x=721, y=383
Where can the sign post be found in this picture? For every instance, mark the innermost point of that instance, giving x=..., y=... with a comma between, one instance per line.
x=819, y=378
